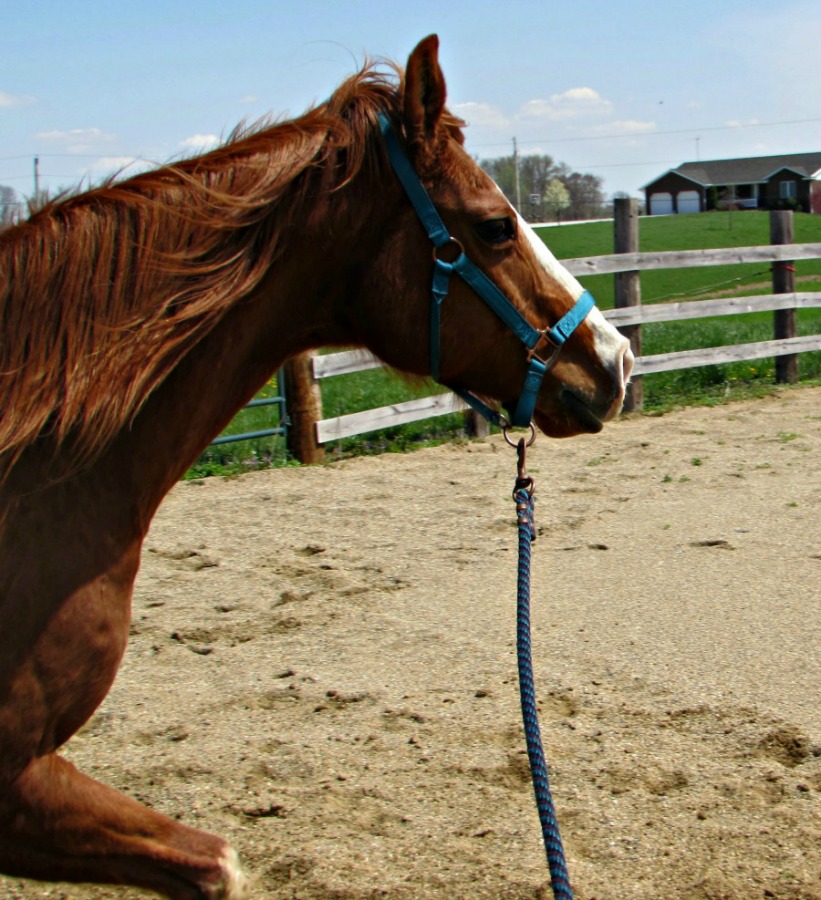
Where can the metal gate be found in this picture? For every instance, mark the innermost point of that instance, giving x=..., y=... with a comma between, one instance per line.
x=278, y=401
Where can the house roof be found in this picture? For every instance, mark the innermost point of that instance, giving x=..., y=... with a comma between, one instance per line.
x=745, y=171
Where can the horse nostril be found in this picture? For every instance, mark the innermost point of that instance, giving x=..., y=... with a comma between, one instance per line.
x=624, y=366
x=627, y=362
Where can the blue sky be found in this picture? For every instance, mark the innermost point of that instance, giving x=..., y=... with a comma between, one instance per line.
x=622, y=90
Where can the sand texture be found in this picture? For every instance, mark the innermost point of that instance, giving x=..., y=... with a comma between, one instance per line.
x=322, y=667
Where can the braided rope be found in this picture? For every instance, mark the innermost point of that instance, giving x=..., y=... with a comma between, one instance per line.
x=559, y=877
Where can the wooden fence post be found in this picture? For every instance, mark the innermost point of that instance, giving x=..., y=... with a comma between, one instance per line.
x=304, y=405
x=781, y=232
x=628, y=287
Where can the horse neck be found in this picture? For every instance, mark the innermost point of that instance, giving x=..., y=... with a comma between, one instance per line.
x=294, y=308
x=299, y=298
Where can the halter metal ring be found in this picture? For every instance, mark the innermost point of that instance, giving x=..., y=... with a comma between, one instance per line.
x=450, y=246
x=507, y=427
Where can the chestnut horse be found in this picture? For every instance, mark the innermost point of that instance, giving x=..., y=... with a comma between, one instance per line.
x=138, y=318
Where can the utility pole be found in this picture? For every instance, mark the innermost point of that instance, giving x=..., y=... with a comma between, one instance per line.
x=36, y=181
x=516, y=174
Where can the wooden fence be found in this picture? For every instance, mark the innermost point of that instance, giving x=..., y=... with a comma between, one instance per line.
x=309, y=431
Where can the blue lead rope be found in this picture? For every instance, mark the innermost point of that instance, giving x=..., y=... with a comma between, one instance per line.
x=559, y=877
x=521, y=416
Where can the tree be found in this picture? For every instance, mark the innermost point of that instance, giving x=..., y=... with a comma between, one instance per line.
x=503, y=172
x=556, y=198
x=586, y=196
x=9, y=207
x=536, y=172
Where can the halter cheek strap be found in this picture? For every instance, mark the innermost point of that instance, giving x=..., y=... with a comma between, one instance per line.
x=533, y=339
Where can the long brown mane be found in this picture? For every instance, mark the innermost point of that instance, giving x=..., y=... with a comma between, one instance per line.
x=103, y=293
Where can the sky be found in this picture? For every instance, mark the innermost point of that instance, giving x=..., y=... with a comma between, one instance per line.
x=624, y=91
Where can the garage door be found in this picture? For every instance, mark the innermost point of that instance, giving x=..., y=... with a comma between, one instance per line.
x=661, y=204
x=688, y=201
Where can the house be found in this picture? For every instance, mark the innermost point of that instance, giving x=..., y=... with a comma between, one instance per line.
x=791, y=181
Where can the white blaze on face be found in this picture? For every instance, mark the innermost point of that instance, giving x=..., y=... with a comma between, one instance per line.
x=549, y=262
x=611, y=347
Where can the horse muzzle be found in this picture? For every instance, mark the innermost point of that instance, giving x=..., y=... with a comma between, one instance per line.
x=576, y=409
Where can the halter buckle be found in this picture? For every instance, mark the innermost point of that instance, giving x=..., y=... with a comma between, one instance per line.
x=544, y=341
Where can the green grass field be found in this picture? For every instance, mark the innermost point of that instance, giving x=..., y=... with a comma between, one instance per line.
x=708, y=384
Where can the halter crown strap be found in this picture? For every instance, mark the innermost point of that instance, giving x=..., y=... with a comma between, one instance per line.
x=420, y=199
x=472, y=275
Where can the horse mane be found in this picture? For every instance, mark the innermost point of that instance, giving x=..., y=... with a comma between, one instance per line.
x=104, y=292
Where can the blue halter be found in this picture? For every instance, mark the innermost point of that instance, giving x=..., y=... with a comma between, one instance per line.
x=533, y=339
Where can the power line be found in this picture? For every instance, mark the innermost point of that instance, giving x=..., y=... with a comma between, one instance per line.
x=55, y=156
x=568, y=140
x=649, y=162
x=638, y=134
x=546, y=141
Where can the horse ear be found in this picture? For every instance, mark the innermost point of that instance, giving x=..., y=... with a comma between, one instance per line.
x=425, y=92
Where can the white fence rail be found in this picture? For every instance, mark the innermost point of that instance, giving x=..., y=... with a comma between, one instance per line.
x=308, y=430
x=442, y=404
x=688, y=259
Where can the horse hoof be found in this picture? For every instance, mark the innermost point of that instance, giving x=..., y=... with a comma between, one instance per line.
x=235, y=884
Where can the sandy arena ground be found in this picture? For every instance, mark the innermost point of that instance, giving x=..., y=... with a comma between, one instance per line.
x=322, y=667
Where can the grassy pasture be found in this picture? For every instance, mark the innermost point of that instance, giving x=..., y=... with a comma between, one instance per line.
x=708, y=384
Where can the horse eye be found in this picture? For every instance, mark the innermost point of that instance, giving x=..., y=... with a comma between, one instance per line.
x=496, y=231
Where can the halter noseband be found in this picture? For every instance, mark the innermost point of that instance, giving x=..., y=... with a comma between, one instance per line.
x=533, y=339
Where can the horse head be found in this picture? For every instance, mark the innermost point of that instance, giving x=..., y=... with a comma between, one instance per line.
x=465, y=235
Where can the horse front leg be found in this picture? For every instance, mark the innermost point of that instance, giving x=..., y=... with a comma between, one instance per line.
x=57, y=824
x=58, y=660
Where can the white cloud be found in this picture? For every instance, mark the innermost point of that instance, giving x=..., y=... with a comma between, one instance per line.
x=574, y=103
x=481, y=114
x=625, y=127
x=199, y=143
x=118, y=166
x=114, y=162
x=7, y=99
x=741, y=123
x=78, y=140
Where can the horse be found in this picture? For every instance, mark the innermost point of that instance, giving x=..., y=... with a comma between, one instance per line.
x=140, y=315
